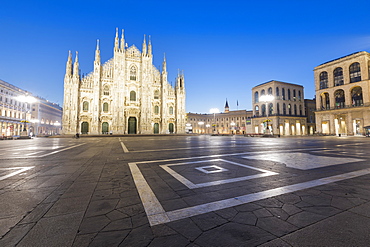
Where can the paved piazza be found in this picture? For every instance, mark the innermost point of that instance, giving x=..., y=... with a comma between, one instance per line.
x=185, y=191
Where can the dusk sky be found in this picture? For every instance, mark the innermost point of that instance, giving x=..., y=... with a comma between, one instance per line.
x=224, y=47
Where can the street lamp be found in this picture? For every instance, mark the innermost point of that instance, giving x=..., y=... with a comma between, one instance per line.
x=214, y=111
x=267, y=99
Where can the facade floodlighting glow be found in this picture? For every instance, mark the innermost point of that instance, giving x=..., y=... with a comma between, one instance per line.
x=267, y=98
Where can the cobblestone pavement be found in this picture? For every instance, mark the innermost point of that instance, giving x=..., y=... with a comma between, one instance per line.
x=185, y=191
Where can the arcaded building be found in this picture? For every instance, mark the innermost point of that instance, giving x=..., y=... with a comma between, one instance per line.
x=342, y=95
x=125, y=95
x=282, y=112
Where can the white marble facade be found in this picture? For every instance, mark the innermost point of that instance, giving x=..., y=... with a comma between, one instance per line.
x=125, y=95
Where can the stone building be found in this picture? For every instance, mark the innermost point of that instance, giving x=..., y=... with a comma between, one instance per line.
x=342, y=95
x=15, y=113
x=125, y=95
x=227, y=122
x=282, y=114
x=21, y=113
x=46, y=118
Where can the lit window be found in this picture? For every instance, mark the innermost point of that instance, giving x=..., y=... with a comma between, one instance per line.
x=323, y=80
x=338, y=77
x=355, y=72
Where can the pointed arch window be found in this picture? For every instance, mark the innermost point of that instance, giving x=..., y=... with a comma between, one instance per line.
x=283, y=93
x=323, y=80
x=290, y=109
x=299, y=95
x=85, y=106
x=106, y=90
x=355, y=72
x=263, y=92
x=132, y=96
x=277, y=92
x=288, y=94
x=338, y=77
x=269, y=91
x=156, y=94
x=105, y=107
x=133, y=73
x=278, y=108
x=300, y=110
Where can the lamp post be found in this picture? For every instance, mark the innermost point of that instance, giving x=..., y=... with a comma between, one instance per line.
x=214, y=111
x=267, y=99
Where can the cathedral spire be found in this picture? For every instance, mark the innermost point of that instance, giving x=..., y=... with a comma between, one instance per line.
x=144, y=47
x=164, y=65
x=149, y=47
x=116, y=45
x=76, y=66
x=123, y=41
x=97, y=53
x=69, y=65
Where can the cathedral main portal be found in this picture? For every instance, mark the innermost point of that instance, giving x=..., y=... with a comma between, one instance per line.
x=132, y=125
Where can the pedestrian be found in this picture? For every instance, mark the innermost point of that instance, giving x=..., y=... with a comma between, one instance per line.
x=77, y=135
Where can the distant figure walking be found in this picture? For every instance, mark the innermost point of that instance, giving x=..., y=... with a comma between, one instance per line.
x=77, y=135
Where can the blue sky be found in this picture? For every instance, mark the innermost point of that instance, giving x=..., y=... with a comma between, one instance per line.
x=224, y=47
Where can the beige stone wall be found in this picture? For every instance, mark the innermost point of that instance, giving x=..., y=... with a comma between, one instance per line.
x=347, y=119
x=277, y=122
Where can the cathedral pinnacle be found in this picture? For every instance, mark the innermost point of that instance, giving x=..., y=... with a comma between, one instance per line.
x=76, y=66
x=122, y=41
x=149, y=47
x=144, y=47
x=116, y=46
x=69, y=64
x=164, y=65
x=97, y=52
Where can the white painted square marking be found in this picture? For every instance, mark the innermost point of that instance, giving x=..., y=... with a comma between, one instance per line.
x=211, y=169
x=191, y=185
x=302, y=161
x=157, y=215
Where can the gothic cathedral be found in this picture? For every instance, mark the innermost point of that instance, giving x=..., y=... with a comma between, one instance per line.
x=125, y=95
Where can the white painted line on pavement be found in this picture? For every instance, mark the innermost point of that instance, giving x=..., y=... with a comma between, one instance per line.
x=19, y=170
x=54, y=152
x=157, y=215
x=152, y=206
x=124, y=147
x=190, y=185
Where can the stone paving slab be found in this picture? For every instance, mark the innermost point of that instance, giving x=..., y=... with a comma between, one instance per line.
x=94, y=201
